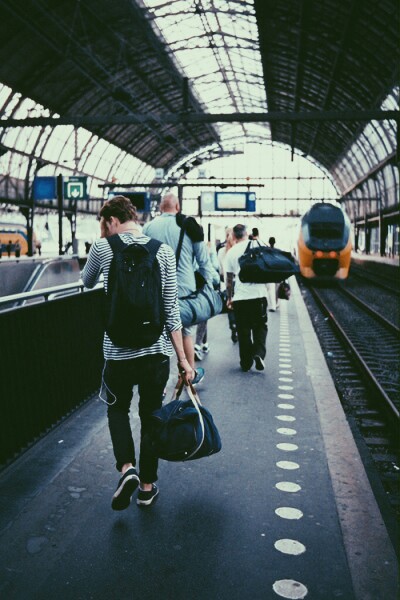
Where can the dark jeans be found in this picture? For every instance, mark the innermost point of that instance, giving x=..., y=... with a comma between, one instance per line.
x=251, y=322
x=151, y=374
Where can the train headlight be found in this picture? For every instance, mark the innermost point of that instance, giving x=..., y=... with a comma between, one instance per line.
x=319, y=254
x=333, y=254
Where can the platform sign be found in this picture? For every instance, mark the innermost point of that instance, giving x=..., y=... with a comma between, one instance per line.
x=232, y=201
x=207, y=201
x=44, y=188
x=75, y=188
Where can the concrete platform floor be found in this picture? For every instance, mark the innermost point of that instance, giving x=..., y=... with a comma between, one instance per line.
x=283, y=511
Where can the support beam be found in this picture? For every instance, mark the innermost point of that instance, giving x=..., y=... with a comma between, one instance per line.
x=175, y=118
x=370, y=173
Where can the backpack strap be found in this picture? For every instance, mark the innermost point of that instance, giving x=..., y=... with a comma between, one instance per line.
x=153, y=246
x=117, y=245
x=179, y=248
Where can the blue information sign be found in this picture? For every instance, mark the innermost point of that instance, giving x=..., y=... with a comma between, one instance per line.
x=44, y=188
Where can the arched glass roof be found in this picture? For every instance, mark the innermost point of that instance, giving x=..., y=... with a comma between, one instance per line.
x=196, y=58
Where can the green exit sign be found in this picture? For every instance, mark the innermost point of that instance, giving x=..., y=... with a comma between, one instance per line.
x=75, y=188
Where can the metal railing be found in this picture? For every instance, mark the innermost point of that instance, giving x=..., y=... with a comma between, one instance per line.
x=50, y=362
x=14, y=301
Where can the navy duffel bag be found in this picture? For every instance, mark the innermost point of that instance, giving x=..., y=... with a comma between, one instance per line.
x=262, y=264
x=184, y=429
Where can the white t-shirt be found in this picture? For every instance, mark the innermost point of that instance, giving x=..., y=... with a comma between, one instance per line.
x=243, y=291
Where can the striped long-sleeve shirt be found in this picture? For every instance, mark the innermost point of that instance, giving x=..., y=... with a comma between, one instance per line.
x=99, y=261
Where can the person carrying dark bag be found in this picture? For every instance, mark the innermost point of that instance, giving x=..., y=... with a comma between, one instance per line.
x=249, y=303
x=167, y=228
x=122, y=250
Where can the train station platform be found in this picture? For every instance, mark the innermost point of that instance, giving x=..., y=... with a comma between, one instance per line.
x=285, y=510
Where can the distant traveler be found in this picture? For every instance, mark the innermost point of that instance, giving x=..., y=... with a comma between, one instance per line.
x=9, y=248
x=17, y=249
x=222, y=252
x=249, y=303
x=167, y=228
x=272, y=288
x=39, y=247
x=147, y=367
x=254, y=234
x=201, y=346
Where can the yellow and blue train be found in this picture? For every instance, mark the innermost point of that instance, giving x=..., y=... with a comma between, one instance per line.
x=324, y=243
x=11, y=233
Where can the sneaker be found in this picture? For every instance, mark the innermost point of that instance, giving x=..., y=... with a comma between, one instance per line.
x=199, y=376
x=234, y=336
x=126, y=486
x=260, y=366
x=147, y=498
x=206, y=348
x=198, y=354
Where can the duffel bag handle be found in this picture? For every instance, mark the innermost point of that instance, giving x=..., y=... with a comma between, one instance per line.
x=192, y=393
x=196, y=403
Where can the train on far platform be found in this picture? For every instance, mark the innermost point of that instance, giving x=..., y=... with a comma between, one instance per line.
x=324, y=243
x=11, y=233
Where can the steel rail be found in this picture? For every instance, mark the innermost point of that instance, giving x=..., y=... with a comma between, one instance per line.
x=372, y=278
x=385, y=322
x=388, y=405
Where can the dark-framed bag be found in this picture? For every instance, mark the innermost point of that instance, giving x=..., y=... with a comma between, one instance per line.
x=284, y=291
x=262, y=264
x=184, y=429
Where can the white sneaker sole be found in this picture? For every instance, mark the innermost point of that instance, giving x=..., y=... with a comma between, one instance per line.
x=147, y=502
x=123, y=495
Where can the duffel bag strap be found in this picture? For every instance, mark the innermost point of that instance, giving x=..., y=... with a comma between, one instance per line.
x=192, y=393
x=196, y=403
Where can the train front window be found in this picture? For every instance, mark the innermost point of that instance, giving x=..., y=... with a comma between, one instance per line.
x=326, y=231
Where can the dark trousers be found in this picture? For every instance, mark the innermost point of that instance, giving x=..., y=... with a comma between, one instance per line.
x=151, y=374
x=251, y=322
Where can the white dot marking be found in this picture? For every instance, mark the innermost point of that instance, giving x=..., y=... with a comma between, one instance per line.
x=286, y=396
x=286, y=431
x=287, y=447
x=286, y=512
x=288, y=465
x=288, y=486
x=286, y=406
x=287, y=546
x=289, y=588
x=285, y=418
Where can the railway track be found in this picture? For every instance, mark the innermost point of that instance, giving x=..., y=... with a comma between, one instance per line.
x=361, y=346
x=381, y=280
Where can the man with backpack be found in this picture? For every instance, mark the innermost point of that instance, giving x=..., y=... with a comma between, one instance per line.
x=143, y=327
x=193, y=253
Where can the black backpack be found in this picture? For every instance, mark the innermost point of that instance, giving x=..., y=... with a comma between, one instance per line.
x=135, y=307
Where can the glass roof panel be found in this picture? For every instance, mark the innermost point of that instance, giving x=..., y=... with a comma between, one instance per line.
x=376, y=141
x=215, y=44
